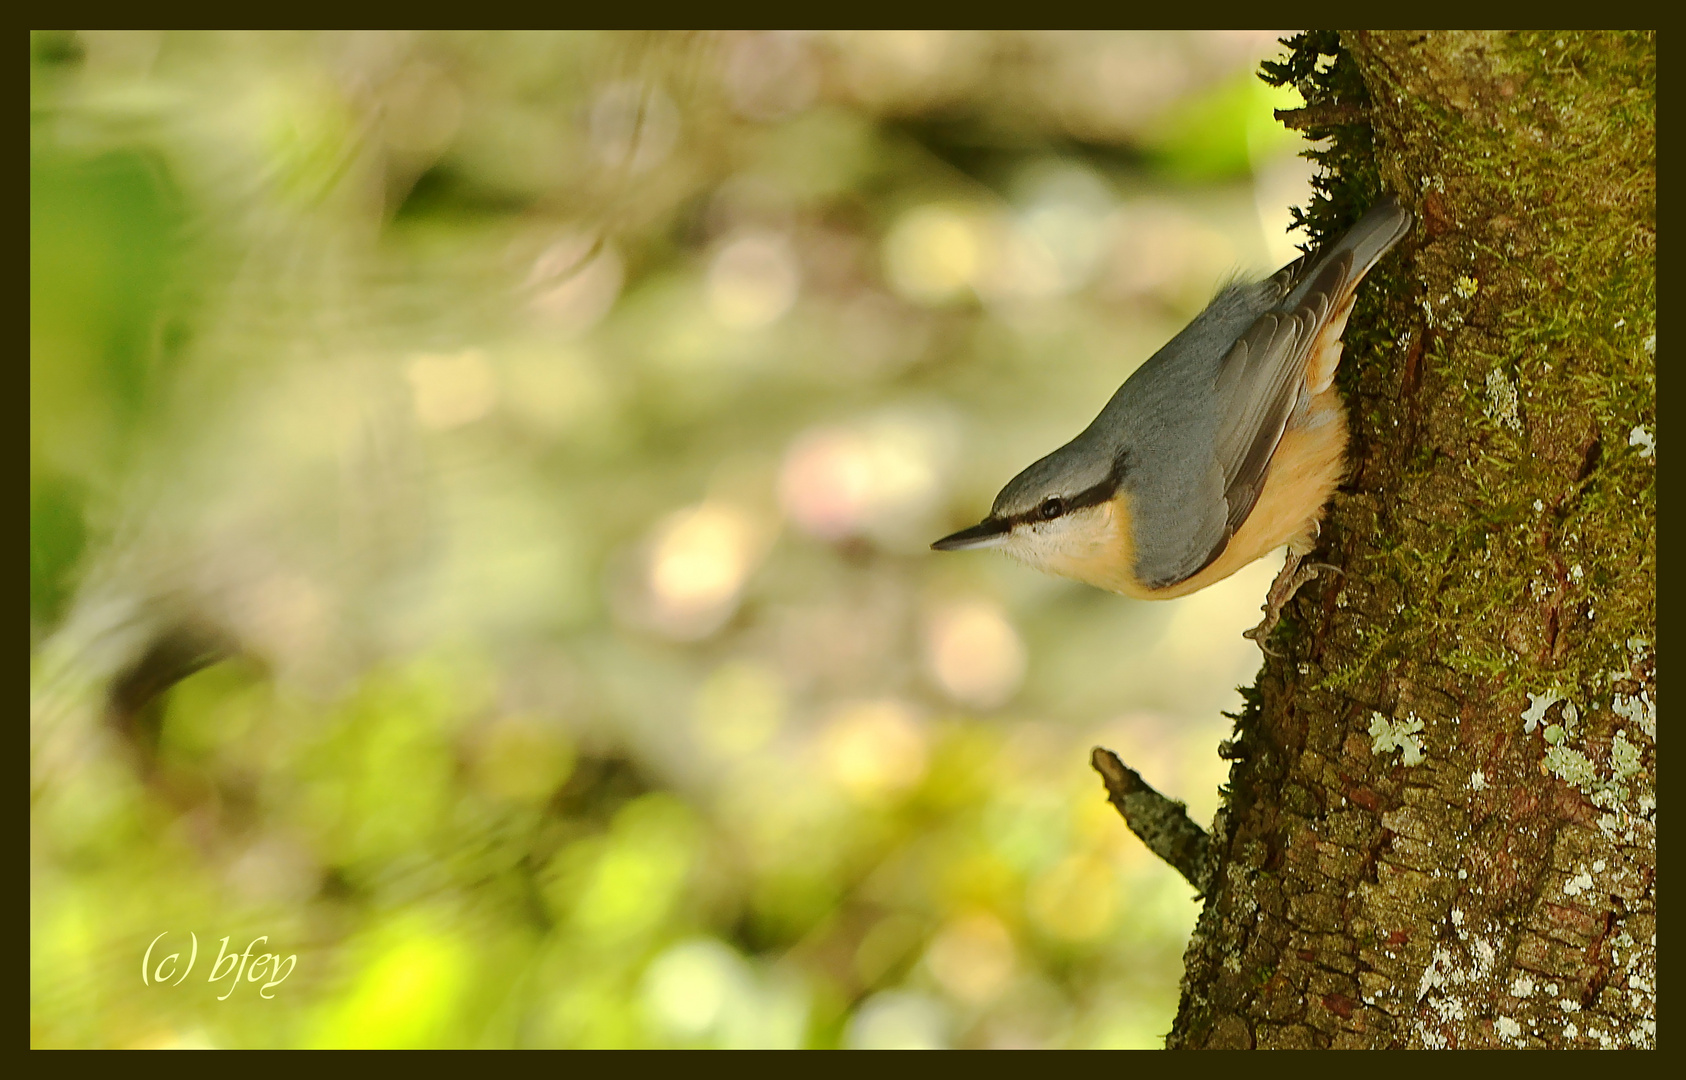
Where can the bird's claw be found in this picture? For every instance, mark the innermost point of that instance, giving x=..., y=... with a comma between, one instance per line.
x=1293, y=575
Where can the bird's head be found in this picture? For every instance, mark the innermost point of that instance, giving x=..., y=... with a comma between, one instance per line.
x=1064, y=514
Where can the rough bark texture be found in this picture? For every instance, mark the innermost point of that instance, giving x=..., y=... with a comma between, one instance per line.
x=1440, y=827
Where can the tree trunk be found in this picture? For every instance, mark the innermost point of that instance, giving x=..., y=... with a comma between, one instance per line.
x=1440, y=826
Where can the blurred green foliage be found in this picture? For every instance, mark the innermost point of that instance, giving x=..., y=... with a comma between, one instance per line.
x=105, y=234
x=553, y=425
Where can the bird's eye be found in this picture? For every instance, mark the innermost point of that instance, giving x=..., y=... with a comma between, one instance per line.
x=1051, y=508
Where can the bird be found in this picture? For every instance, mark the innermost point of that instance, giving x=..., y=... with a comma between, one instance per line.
x=1223, y=446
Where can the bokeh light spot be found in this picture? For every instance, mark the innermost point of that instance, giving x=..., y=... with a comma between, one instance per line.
x=973, y=957
x=880, y=477
x=752, y=281
x=622, y=885
x=898, y=1020
x=973, y=652
x=875, y=749
x=934, y=253
x=686, y=989
x=694, y=567
x=405, y=995
x=452, y=390
x=574, y=283
x=771, y=75
x=740, y=707
x=701, y=991
x=1076, y=900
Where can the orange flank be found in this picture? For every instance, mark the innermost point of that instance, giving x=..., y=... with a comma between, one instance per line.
x=1308, y=465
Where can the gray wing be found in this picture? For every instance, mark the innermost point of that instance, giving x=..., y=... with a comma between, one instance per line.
x=1258, y=386
x=1252, y=395
x=1222, y=449
x=1263, y=375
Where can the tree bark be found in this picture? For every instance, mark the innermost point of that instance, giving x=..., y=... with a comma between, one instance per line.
x=1439, y=830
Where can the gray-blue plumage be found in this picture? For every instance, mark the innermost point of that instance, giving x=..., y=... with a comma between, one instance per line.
x=1189, y=436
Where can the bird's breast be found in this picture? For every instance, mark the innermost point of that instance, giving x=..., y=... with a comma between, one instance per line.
x=1098, y=548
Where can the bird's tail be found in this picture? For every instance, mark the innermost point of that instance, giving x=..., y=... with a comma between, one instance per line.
x=1383, y=226
x=1342, y=264
x=1332, y=283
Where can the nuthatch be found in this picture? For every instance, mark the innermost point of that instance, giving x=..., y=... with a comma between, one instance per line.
x=1223, y=446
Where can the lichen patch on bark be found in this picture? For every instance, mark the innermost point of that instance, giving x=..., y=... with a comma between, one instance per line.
x=1498, y=537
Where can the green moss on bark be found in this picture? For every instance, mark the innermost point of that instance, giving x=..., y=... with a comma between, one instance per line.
x=1497, y=533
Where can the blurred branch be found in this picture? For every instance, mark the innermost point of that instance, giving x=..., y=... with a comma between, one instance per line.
x=171, y=657
x=1163, y=824
x=1327, y=114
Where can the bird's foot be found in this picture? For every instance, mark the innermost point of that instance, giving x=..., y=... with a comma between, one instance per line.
x=1293, y=575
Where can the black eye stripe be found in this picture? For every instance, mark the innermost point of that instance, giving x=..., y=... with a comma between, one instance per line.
x=1054, y=506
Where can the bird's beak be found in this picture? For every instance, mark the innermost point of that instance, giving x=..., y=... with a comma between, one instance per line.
x=988, y=533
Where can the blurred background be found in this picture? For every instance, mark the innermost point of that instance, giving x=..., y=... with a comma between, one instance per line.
x=548, y=431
